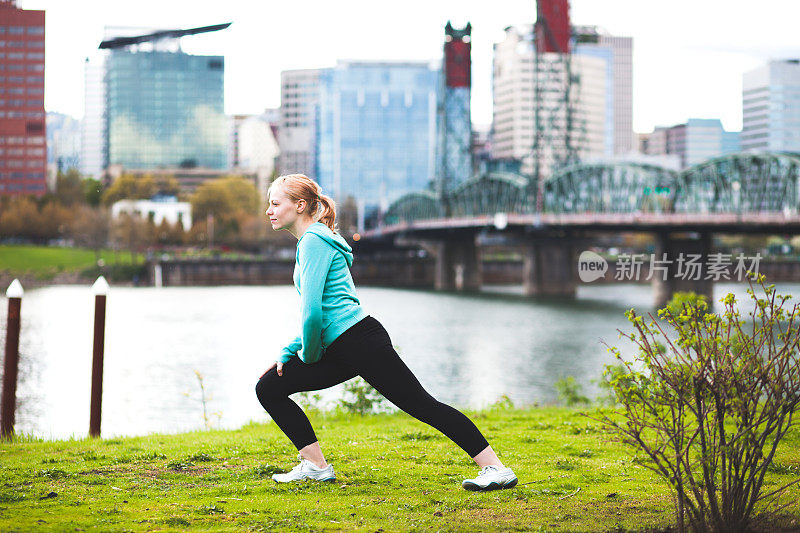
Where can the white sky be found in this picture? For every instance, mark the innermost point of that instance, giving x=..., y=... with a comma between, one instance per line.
x=689, y=55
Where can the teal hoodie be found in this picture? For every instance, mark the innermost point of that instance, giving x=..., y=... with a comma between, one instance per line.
x=327, y=293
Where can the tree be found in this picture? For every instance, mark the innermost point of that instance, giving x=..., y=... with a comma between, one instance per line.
x=53, y=221
x=19, y=217
x=130, y=187
x=224, y=198
x=90, y=227
x=244, y=194
x=167, y=185
x=167, y=233
x=131, y=232
x=709, y=404
x=70, y=188
x=212, y=198
x=92, y=191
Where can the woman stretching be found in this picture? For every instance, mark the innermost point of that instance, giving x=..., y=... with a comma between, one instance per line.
x=339, y=341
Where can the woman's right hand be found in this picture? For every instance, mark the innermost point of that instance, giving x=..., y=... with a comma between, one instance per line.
x=277, y=364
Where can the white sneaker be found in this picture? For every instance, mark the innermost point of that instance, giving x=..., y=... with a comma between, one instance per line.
x=306, y=470
x=491, y=478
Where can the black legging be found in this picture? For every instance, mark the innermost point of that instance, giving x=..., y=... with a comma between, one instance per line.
x=366, y=350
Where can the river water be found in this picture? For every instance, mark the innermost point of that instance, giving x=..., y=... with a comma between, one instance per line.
x=467, y=350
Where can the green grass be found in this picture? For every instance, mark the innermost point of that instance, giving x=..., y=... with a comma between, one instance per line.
x=43, y=262
x=394, y=474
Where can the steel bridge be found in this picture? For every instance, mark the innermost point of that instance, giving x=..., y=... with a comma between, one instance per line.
x=738, y=193
x=766, y=183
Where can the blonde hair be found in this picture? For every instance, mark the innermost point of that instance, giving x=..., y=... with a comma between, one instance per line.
x=322, y=208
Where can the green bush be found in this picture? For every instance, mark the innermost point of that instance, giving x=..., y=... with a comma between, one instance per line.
x=707, y=400
x=570, y=392
x=361, y=398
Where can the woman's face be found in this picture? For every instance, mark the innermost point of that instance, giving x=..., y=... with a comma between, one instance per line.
x=282, y=211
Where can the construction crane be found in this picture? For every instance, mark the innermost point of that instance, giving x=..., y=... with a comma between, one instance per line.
x=557, y=135
x=121, y=42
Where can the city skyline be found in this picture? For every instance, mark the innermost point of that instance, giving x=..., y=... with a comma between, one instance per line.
x=689, y=57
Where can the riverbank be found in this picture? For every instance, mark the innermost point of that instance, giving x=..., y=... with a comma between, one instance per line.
x=41, y=266
x=393, y=474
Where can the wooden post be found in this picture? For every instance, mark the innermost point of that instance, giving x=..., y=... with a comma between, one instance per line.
x=100, y=290
x=11, y=367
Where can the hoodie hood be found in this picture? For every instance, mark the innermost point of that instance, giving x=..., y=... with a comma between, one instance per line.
x=334, y=239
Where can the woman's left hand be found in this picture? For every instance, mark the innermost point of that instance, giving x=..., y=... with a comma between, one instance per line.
x=277, y=365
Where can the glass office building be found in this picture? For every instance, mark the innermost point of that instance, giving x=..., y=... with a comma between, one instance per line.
x=376, y=131
x=165, y=109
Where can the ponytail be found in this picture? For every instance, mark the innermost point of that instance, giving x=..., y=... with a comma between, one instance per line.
x=326, y=211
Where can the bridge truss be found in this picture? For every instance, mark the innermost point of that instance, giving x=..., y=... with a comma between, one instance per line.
x=737, y=183
x=751, y=183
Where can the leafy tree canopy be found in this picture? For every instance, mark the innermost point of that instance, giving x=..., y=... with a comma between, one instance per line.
x=225, y=198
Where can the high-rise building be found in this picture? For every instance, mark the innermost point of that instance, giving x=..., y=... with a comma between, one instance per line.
x=514, y=111
x=63, y=142
x=149, y=105
x=593, y=39
x=297, y=126
x=254, y=146
x=771, y=107
x=253, y=143
x=23, y=151
x=694, y=142
x=165, y=109
x=377, y=131
x=93, y=125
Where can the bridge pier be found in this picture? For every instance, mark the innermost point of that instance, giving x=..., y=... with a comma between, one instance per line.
x=549, y=267
x=680, y=276
x=458, y=265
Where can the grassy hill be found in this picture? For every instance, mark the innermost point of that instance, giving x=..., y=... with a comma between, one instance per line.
x=394, y=474
x=46, y=262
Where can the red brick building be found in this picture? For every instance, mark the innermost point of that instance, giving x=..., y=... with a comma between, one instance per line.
x=23, y=149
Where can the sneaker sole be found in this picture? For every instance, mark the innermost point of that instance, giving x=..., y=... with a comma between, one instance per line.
x=491, y=486
x=326, y=480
